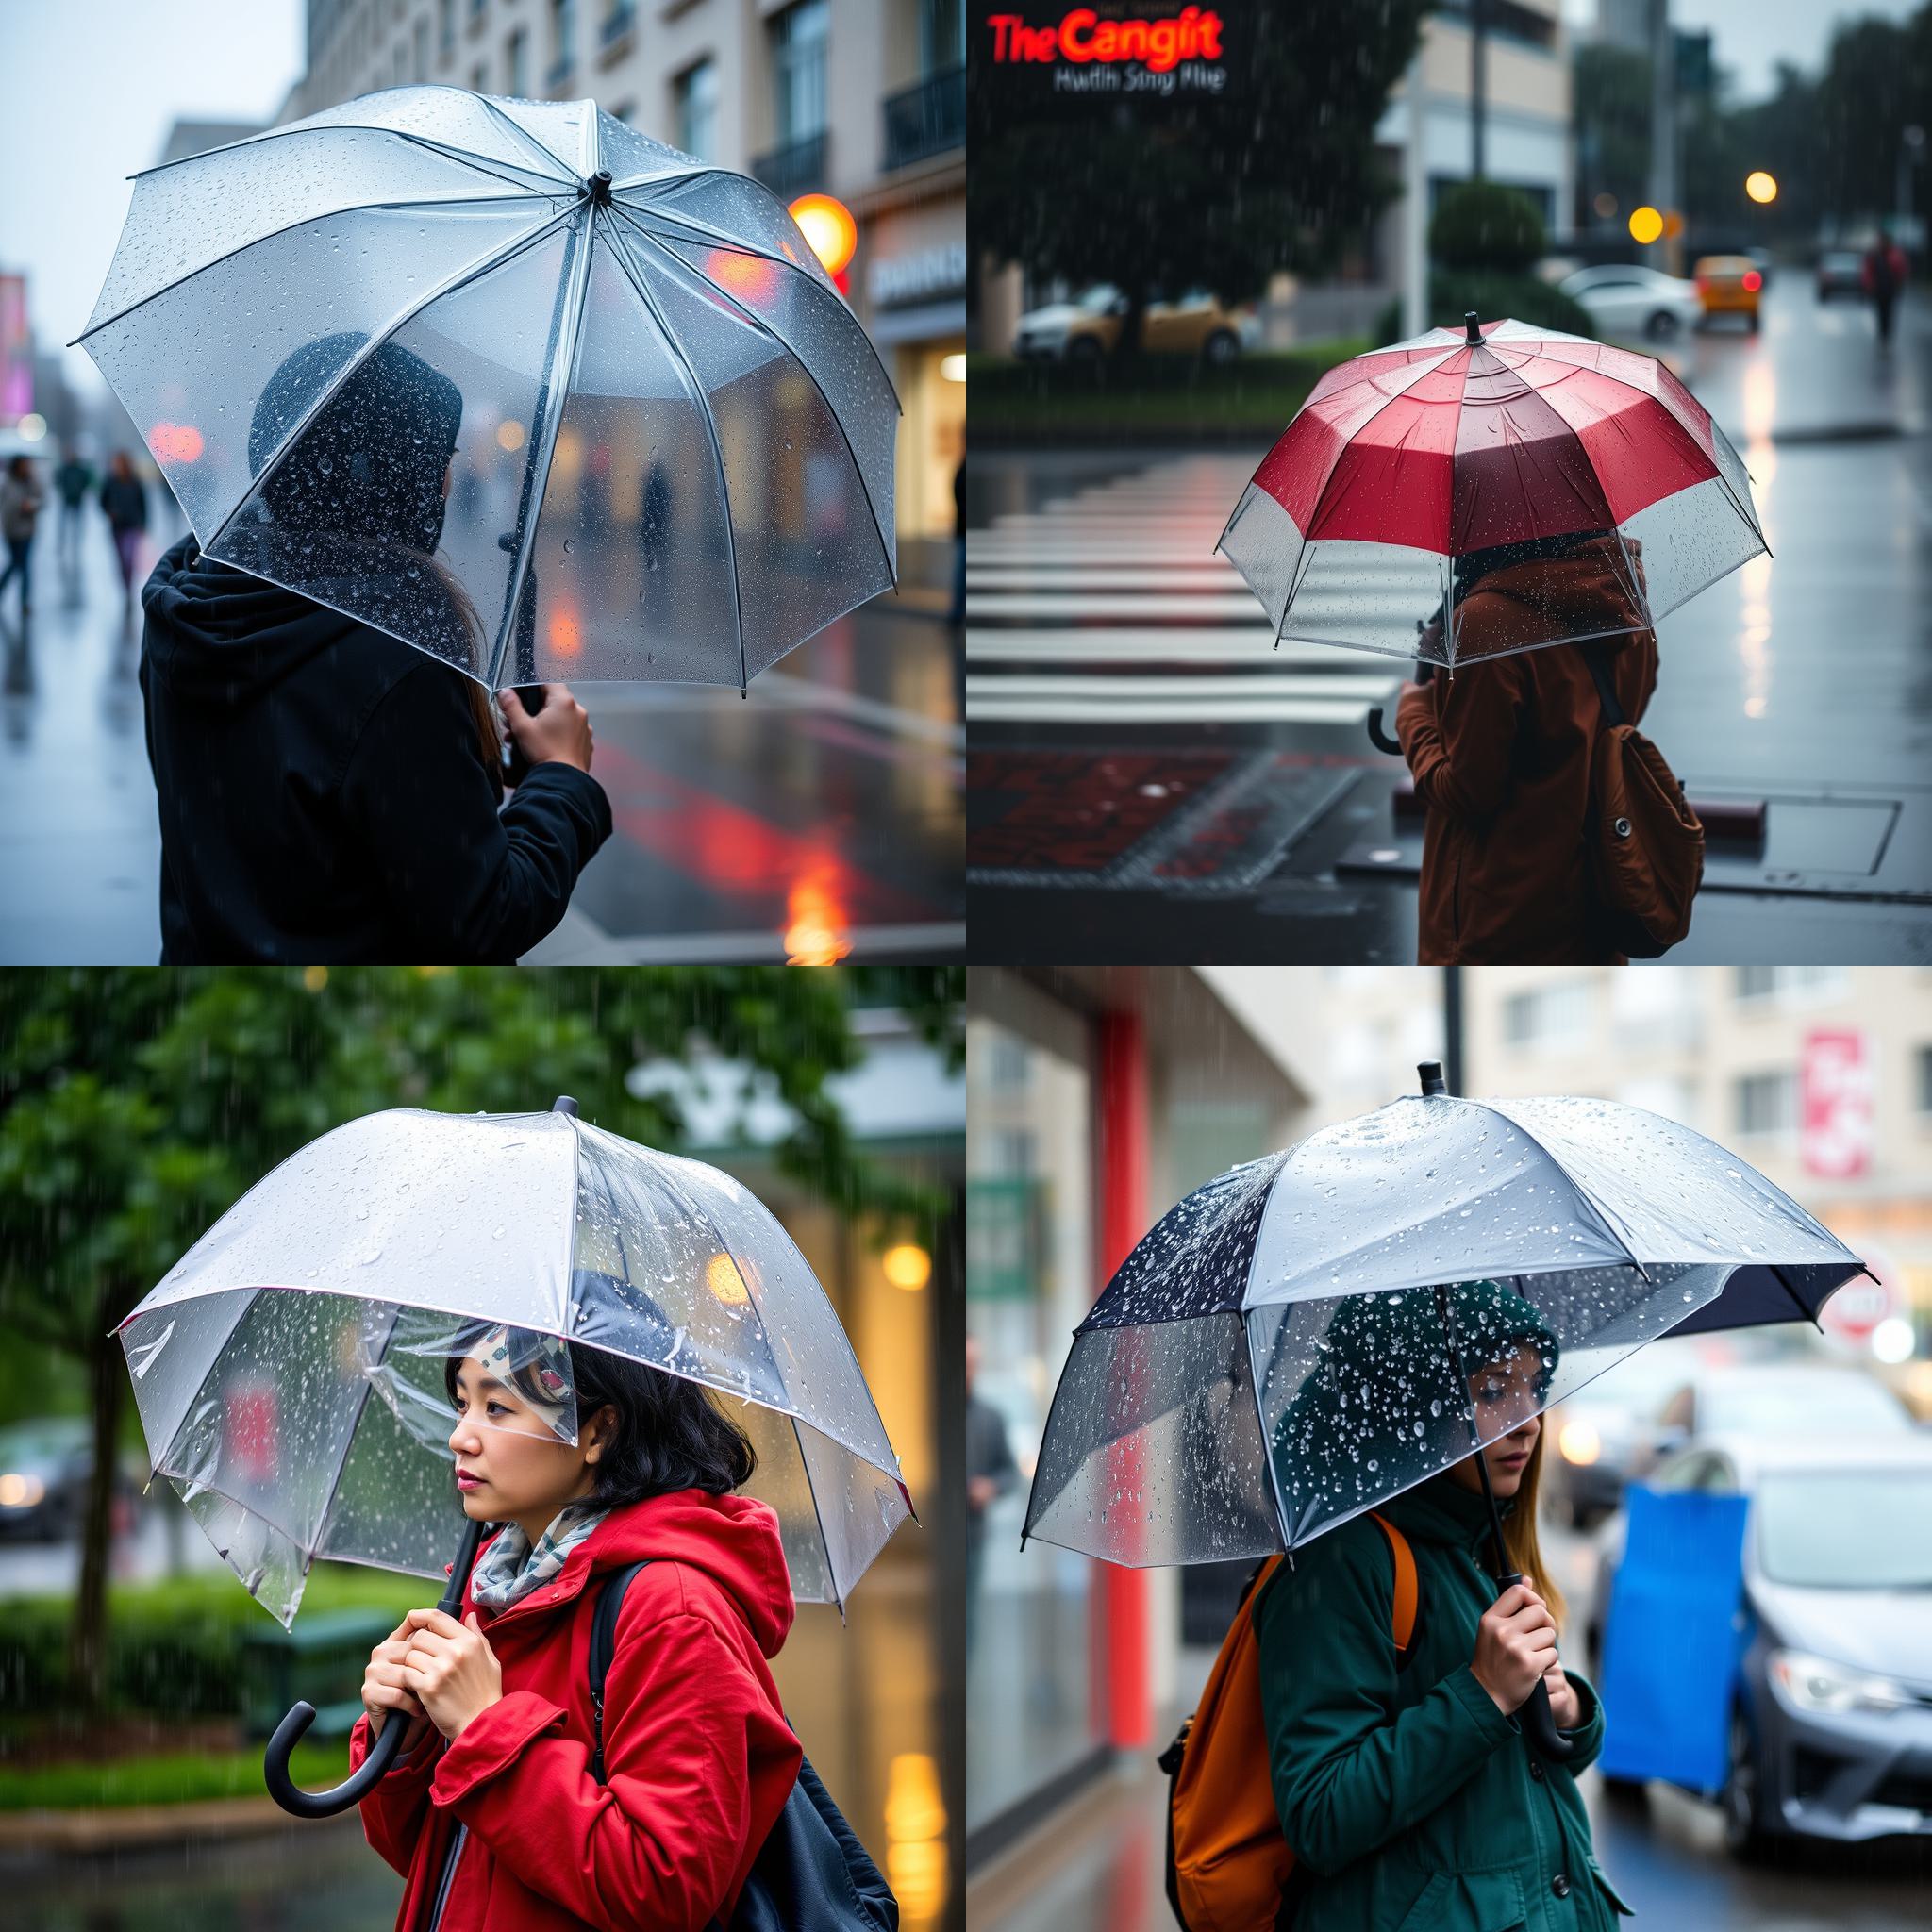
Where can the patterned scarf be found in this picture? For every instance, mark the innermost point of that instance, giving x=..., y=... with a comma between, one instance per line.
x=509, y=1568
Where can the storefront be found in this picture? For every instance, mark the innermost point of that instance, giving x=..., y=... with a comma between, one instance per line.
x=1094, y=1098
x=909, y=286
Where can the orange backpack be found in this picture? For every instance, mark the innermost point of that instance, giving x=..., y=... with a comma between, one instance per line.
x=1228, y=1867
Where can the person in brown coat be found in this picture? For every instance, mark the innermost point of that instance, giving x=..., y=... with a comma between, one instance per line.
x=1500, y=752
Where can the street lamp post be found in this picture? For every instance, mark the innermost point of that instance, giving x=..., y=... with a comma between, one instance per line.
x=1910, y=145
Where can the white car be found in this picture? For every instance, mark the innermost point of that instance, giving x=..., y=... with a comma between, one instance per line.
x=1629, y=300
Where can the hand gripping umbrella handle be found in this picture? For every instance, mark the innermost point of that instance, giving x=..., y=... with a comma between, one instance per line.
x=373, y=1768
x=1539, y=1720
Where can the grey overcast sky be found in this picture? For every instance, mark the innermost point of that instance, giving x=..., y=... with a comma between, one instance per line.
x=1751, y=35
x=92, y=86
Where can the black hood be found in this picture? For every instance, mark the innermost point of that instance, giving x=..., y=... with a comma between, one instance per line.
x=216, y=635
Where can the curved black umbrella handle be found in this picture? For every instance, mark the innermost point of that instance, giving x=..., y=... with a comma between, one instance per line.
x=1379, y=738
x=357, y=1785
x=1537, y=1717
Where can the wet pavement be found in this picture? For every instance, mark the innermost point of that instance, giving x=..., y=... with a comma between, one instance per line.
x=819, y=815
x=1097, y=1864
x=1135, y=742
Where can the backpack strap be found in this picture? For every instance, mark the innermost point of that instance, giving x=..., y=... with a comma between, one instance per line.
x=1595, y=656
x=603, y=1646
x=1402, y=1621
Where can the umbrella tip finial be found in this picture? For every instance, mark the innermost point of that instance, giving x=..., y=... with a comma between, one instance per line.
x=564, y=1103
x=1469, y=323
x=1431, y=1073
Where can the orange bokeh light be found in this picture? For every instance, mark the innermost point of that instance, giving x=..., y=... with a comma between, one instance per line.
x=175, y=443
x=750, y=275
x=827, y=225
x=566, y=636
x=816, y=933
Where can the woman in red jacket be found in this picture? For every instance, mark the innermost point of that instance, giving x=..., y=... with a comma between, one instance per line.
x=492, y=1813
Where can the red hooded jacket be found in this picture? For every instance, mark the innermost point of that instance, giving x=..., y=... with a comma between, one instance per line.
x=698, y=1758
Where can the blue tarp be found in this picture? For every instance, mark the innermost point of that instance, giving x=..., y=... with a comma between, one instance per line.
x=1673, y=1638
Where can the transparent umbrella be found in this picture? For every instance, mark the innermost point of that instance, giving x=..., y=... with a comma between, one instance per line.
x=509, y=381
x=288, y=1369
x=1313, y=1333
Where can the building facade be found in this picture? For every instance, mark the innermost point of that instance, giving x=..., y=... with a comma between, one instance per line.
x=863, y=100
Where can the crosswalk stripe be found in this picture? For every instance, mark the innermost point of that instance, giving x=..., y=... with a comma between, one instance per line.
x=1110, y=606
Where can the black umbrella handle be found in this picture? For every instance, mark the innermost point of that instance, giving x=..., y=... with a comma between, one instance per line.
x=1377, y=737
x=1537, y=1718
x=373, y=1768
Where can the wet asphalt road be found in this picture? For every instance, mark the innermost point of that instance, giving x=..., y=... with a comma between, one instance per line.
x=822, y=812
x=1100, y=1868
x=1804, y=680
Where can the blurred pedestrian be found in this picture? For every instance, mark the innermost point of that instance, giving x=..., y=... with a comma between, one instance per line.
x=1884, y=275
x=327, y=792
x=990, y=1471
x=1502, y=754
x=124, y=500
x=1406, y=1785
x=21, y=497
x=73, y=480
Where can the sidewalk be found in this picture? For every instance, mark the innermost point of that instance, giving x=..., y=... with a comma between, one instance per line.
x=819, y=816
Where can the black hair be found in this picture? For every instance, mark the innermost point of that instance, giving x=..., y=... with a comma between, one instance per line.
x=670, y=1434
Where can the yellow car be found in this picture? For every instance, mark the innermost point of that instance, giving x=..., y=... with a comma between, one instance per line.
x=1730, y=285
x=1195, y=324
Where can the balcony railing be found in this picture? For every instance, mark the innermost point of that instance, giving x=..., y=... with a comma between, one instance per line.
x=792, y=169
x=926, y=120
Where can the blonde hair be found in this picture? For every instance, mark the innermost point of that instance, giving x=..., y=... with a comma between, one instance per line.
x=1519, y=1535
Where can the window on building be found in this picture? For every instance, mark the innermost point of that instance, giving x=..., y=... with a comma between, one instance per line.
x=1806, y=983
x=942, y=35
x=479, y=78
x=695, y=96
x=1006, y=1062
x=563, y=37
x=516, y=62
x=446, y=27
x=1548, y=1016
x=798, y=66
x=1925, y=1080
x=477, y=7
x=420, y=50
x=1765, y=1104
x=399, y=64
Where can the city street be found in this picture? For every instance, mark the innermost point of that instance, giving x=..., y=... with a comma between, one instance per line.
x=1135, y=742
x=819, y=815
x=1101, y=1869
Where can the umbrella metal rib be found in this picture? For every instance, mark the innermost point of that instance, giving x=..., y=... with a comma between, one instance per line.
x=507, y=251
x=767, y=328
x=690, y=375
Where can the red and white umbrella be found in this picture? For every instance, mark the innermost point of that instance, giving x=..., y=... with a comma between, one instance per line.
x=1413, y=470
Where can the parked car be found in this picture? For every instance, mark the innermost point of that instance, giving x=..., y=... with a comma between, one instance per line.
x=1597, y=1431
x=1195, y=324
x=44, y=1467
x=1792, y=1397
x=1831, y=1729
x=1730, y=285
x=1626, y=299
x=1840, y=272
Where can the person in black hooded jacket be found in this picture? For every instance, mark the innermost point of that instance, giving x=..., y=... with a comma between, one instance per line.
x=328, y=793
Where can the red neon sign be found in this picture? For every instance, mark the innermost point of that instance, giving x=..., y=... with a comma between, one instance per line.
x=1082, y=36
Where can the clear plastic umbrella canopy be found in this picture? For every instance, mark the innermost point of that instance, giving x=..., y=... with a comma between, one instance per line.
x=290, y=1370
x=509, y=381
x=1580, y=490
x=1322, y=1329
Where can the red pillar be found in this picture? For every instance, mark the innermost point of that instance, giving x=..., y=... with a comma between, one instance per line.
x=1125, y=1701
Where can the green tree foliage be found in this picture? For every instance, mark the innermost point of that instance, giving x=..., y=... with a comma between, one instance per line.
x=1200, y=192
x=135, y=1105
x=1483, y=228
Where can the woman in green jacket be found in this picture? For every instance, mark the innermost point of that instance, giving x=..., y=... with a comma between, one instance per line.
x=1407, y=1789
